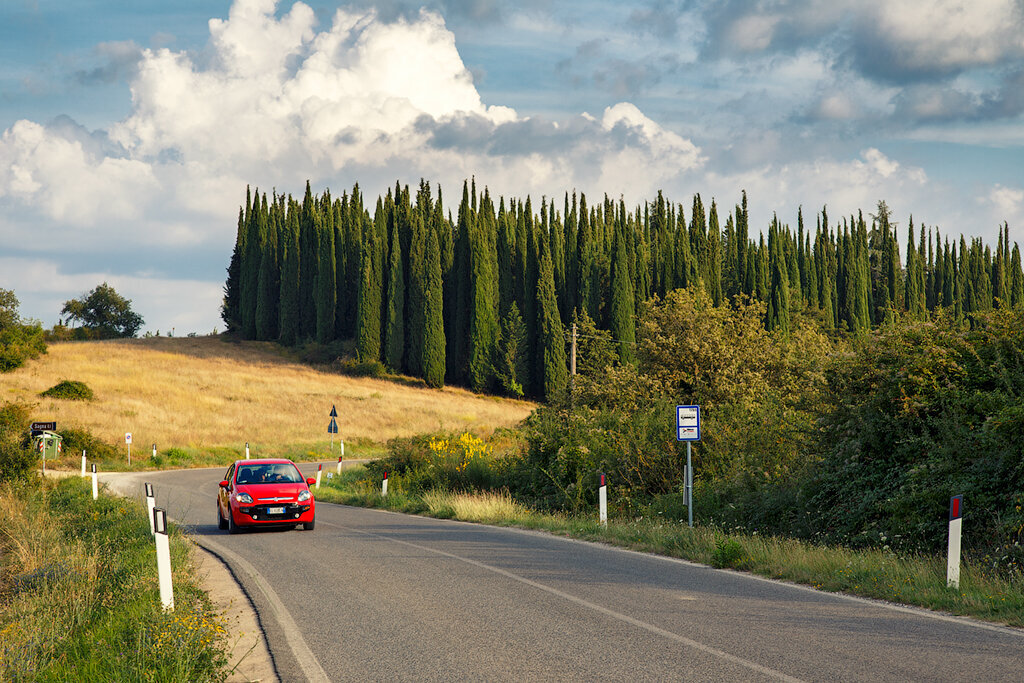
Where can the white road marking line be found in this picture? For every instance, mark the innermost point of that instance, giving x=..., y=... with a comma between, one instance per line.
x=772, y=673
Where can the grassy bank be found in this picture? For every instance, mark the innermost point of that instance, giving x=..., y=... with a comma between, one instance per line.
x=206, y=393
x=917, y=580
x=79, y=597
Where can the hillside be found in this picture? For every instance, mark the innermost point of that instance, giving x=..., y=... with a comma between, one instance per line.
x=202, y=392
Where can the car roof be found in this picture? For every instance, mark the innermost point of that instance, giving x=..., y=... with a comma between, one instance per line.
x=265, y=461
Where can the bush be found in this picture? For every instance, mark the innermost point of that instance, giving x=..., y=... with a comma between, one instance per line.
x=16, y=455
x=70, y=390
x=77, y=440
x=361, y=368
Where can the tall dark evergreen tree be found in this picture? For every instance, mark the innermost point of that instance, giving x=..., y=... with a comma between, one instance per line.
x=289, y=299
x=309, y=261
x=230, y=308
x=551, y=333
x=269, y=282
x=433, y=359
x=326, y=284
x=394, y=309
x=368, y=306
x=483, y=323
x=623, y=325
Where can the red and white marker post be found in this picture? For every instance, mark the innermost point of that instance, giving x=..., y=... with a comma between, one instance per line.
x=339, y=461
x=150, y=504
x=602, y=501
x=384, y=486
x=319, y=471
x=956, y=510
x=163, y=558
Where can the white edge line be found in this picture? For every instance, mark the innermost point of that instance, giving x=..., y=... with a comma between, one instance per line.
x=589, y=605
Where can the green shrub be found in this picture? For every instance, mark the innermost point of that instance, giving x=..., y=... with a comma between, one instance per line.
x=361, y=368
x=16, y=455
x=77, y=440
x=728, y=553
x=71, y=390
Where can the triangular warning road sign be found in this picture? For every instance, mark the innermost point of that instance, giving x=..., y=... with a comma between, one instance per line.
x=334, y=411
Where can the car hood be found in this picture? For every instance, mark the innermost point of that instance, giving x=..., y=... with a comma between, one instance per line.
x=272, y=493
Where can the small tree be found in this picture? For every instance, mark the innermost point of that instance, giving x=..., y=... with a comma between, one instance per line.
x=19, y=340
x=103, y=314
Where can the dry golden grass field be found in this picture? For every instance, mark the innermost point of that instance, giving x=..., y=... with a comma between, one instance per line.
x=203, y=392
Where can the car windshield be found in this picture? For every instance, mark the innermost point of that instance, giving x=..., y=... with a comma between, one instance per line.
x=282, y=473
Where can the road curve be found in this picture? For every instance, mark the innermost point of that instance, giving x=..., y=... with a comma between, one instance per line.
x=374, y=595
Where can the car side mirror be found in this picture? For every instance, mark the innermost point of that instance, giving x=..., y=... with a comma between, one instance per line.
x=224, y=484
x=310, y=481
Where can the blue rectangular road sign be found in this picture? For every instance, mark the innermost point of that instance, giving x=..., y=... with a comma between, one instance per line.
x=688, y=423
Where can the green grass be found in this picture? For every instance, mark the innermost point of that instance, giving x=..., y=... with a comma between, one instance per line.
x=79, y=596
x=916, y=580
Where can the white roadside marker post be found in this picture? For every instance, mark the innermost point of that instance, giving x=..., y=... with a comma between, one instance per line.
x=150, y=504
x=246, y=450
x=319, y=472
x=95, y=484
x=956, y=505
x=163, y=558
x=339, y=464
x=154, y=450
x=83, y=463
x=384, y=486
x=602, y=498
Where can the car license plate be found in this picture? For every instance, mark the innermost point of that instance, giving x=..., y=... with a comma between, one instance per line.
x=275, y=511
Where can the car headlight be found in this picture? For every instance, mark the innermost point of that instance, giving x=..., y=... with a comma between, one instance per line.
x=244, y=498
x=304, y=496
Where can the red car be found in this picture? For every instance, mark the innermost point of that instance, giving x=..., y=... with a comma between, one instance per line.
x=265, y=492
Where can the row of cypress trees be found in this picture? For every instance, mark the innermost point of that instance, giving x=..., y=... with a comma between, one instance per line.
x=484, y=299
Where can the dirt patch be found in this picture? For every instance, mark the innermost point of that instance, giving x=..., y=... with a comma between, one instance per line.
x=248, y=654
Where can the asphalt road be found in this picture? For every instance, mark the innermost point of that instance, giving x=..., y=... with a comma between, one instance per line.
x=373, y=595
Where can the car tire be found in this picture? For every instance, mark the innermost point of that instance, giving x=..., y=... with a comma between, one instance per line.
x=222, y=523
x=232, y=527
x=308, y=526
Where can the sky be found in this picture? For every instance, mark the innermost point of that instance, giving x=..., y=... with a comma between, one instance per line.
x=131, y=128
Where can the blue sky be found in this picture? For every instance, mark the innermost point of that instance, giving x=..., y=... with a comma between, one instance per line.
x=130, y=129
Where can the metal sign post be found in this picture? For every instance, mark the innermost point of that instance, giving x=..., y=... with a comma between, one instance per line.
x=688, y=430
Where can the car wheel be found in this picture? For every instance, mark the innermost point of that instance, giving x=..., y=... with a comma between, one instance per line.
x=221, y=522
x=232, y=527
x=308, y=526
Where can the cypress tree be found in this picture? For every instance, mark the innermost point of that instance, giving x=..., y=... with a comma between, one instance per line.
x=433, y=359
x=250, y=271
x=551, y=333
x=506, y=252
x=777, y=312
x=914, y=296
x=623, y=327
x=341, y=293
x=289, y=306
x=229, y=311
x=1016, y=278
x=269, y=282
x=511, y=363
x=368, y=306
x=416, y=289
x=309, y=260
x=394, y=312
x=483, y=325
x=326, y=284
x=714, y=257
x=585, y=251
x=458, y=340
